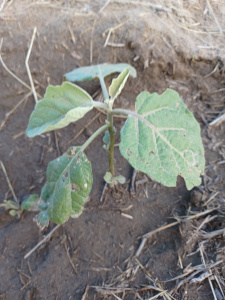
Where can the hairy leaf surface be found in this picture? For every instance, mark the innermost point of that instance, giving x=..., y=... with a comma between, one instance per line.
x=61, y=105
x=164, y=140
x=92, y=72
x=118, y=84
x=69, y=182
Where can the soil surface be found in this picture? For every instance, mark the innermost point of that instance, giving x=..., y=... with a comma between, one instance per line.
x=95, y=256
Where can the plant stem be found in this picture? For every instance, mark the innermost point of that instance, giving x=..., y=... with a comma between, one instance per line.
x=112, y=134
x=94, y=135
x=104, y=89
x=111, y=129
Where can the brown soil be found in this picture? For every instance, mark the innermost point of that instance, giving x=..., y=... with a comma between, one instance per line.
x=98, y=249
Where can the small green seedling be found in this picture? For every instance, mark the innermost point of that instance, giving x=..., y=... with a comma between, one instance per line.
x=15, y=209
x=160, y=138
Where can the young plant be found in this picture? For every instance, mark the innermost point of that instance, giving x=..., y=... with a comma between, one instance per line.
x=15, y=209
x=160, y=138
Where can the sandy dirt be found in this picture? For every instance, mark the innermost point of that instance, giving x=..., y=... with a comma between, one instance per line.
x=179, y=46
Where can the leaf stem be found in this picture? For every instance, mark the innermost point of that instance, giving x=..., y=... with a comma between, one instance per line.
x=100, y=105
x=111, y=128
x=103, y=86
x=94, y=135
x=121, y=111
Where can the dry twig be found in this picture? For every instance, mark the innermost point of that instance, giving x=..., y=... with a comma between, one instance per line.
x=213, y=234
x=11, y=73
x=209, y=280
x=146, y=236
x=27, y=65
x=214, y=16
x=42, y=241
x=104, y=6
x=8, y=181
x=217, y=121
x=13, y=110
x=84, y=297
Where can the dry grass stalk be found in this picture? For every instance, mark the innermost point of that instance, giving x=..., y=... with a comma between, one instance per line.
x=213, y=234
x=197, y=234
x=84, y=297
x=116, y=45
x=27, y=65
x=214, y=16
x=181, y=219
x=145, y=4
x=11, y=73
x=127, y=216
x=209, y=280
x=104, y=6
x=210, y=199
x=103, y=192
x=91, y=43
x=45, y=239
x=195, y=270
x=8, y=181
x=8, y=115
x=217, y=121
x=213, y=71
x=2, y=5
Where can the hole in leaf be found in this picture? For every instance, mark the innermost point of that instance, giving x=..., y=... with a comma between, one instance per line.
x=74, y=187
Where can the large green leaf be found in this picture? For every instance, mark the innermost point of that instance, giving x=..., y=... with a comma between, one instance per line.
x=61, y=105
x=103, y=70
x=164, y=140
x=69, y=182
x=118, y=84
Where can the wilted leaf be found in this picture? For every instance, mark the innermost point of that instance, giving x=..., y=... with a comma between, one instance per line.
x=61, y=106
x=92, y=72
x=10, y=204
x=118, y=84
x=69, y=182
x=165, y=140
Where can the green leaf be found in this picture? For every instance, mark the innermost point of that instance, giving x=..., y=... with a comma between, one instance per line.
x=15, y=213
x=30, y=203
x=61, y=106
x=118, y=84
x=42, y=219
x=42, y=205
x=164, y=140
x=111, y=180
x=92, y=72
x=69, y=182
